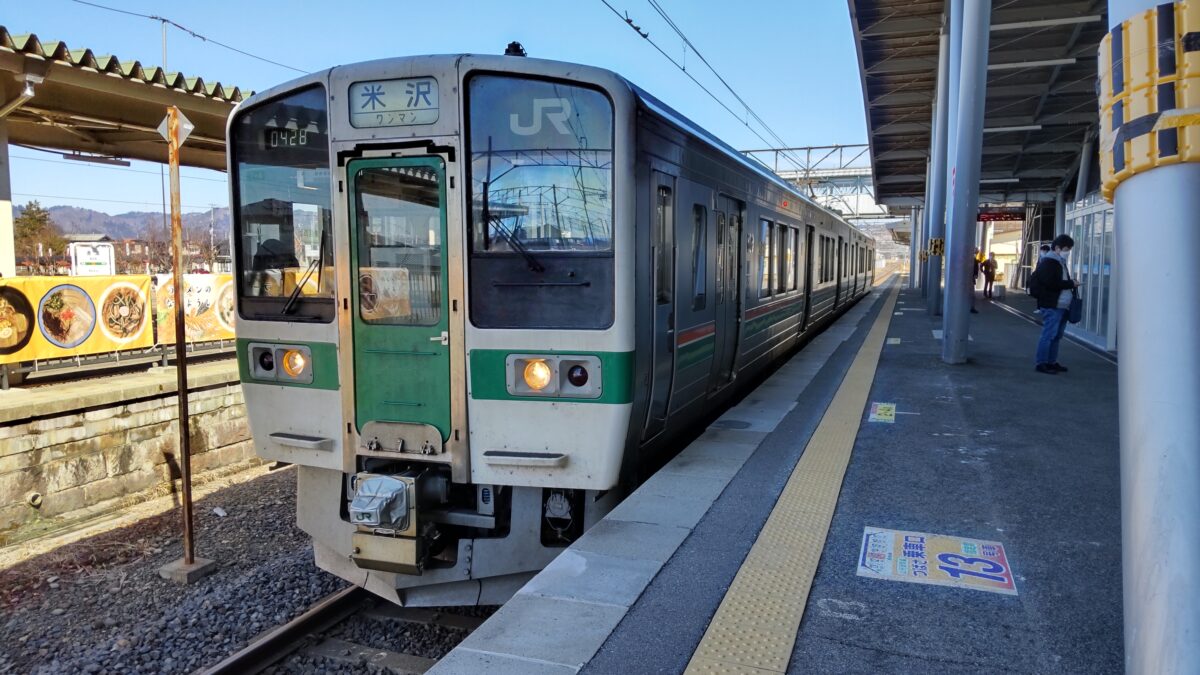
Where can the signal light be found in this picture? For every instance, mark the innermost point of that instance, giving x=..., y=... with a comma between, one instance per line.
x=577, y=376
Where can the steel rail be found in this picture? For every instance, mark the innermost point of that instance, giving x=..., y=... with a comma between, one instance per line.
x=276, y=644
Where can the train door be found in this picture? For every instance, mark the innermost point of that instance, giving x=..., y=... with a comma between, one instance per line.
x=728, y=291
x=662, y=245
x=839, y=253
x=809, y=259
x=400, y=318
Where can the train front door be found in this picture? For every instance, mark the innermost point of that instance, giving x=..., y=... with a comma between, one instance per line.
x=728, y=292
x=662, y=251
x=400, y=319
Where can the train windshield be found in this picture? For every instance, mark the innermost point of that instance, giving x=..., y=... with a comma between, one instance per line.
x=283, y=215
x=541, y=166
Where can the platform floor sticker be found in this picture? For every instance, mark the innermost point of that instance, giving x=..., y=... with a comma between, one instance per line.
x=893, y=341
x=938, y=559
x=883, y=412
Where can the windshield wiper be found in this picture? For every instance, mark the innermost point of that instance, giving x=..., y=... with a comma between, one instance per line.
x=530, y=259
x=319, y=262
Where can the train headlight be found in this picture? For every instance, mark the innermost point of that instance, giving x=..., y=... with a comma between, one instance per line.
x=537, y=375
x=294, y=363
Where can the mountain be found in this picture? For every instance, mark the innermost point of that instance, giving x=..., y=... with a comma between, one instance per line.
x=134, y=224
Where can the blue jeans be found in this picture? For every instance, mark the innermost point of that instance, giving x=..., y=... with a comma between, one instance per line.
x=1054, y=324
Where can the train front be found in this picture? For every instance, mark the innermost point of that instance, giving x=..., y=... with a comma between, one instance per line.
x=435, y=312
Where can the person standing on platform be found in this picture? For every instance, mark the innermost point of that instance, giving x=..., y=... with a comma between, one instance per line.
x=1054, y=288
x=974, y=279
x=989, y=275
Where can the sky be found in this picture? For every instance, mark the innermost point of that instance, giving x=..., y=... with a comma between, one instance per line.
x=792, y=61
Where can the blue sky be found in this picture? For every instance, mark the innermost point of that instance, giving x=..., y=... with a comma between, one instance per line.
x=793, y=61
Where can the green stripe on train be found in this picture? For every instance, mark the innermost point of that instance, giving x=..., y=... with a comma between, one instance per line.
x=489, y=379
x=696, y=352
x=761, y=323
x=324, y=364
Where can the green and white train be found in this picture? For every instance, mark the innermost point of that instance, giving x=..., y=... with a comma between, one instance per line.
x=478, y=295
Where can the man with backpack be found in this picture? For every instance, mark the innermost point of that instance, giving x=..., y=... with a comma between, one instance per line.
x=1054, y=289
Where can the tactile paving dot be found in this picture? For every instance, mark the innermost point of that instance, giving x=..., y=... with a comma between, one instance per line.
x=754, y=629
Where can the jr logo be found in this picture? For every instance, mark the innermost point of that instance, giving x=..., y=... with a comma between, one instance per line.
x=557, y=110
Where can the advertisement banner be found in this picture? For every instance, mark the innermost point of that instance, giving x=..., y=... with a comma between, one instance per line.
x=921, y=558
x=58, y=317
x=208, y=307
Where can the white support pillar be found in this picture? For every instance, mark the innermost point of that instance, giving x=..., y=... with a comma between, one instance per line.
x=964, y=197
x=948, y=74
x=1159, y=393
x=915, y=225
x=1060, y=212
x=8, y=253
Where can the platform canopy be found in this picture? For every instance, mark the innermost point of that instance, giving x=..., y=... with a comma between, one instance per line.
x=1041, y=94
x=73, y=100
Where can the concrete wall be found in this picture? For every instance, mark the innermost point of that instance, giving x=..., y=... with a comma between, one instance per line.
x=88, y=461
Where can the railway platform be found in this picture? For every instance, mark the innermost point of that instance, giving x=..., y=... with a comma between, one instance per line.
x=867, y=509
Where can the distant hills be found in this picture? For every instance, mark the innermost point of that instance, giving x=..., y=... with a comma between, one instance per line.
x=134, y=224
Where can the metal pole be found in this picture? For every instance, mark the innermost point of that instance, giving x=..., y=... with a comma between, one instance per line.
x=935, y=216
x=1060, y=212
x=964, y=209
x=185, y=452
x=948, y=110
x=1158, y=383
x=1085, y=166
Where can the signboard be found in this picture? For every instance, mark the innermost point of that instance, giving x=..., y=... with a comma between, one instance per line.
x=1000, y=214
x=45, y=318
x=208, y=307
x=883, y=412
x=937, y=559
x=393, y=103
x=91, y=260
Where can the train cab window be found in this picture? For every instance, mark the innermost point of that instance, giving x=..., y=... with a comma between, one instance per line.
x=699, y=256
x=283, y=213
x=540, y=195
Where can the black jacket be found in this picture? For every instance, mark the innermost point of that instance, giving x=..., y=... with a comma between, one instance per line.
x=1049, y=282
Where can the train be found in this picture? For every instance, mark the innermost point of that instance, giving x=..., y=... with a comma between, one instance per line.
x=479, y=296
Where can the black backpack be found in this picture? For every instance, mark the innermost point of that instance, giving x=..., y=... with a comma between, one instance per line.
x=1034, y=285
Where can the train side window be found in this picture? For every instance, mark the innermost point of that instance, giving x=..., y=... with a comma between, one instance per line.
x=792, y=257
x=720, y=276
x=699, y=256
x=779, y=254
x=764, y=265
x=662, y=247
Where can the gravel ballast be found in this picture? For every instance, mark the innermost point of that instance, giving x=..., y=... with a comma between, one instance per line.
x=99, y=605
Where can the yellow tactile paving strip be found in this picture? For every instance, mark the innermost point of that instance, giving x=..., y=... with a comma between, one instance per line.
x=754, y=629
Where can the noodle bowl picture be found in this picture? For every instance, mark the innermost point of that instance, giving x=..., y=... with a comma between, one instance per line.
x=67, y=315
x=123, y=314
x=16, y=320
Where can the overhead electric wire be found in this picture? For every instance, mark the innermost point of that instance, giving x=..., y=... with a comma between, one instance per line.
x=688, y=44
x=113, y=168
x=191, y=32
x=113, y=201
x=683, y=70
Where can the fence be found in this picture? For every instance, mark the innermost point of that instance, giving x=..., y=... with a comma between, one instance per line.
x=49, y=323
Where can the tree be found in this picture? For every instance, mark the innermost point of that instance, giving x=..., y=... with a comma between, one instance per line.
x=34, y=227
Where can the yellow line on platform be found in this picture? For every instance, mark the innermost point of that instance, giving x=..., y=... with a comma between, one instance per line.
x=754, y=629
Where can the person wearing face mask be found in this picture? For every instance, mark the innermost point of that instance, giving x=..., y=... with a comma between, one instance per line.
x=1054, y=288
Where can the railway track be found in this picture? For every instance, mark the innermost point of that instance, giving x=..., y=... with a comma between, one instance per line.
x=313, y=633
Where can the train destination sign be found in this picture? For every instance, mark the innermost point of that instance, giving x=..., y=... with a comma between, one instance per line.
x=394, y=103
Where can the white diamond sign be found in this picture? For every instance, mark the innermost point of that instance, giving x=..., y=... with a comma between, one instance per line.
x=185, y=128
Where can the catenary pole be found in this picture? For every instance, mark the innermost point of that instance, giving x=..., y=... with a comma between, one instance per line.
x=954, y=25
x=964, y=196
x=1159, y=396
x=936, y=215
